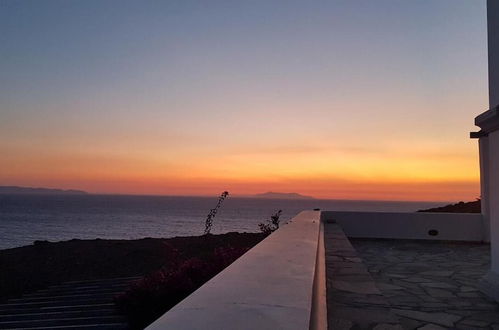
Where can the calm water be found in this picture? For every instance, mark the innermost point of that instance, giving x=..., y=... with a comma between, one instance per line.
x=26, y=218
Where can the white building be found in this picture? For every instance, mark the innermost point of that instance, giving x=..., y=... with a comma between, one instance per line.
x=489, y=149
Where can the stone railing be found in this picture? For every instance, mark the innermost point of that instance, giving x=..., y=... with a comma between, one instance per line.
x=278, y=284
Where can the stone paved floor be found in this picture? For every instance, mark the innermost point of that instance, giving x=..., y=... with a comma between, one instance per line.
x=431, y=285
x=353, y=300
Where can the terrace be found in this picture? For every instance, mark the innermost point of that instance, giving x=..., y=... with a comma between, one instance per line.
x=315, y=277
x=407, y=284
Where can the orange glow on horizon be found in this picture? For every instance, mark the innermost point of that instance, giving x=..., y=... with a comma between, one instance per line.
x=323, y=171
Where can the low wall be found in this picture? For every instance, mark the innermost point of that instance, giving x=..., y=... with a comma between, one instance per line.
x=415, y=225
x=270, y=287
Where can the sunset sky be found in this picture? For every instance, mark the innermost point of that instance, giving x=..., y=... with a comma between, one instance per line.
x=344, y=99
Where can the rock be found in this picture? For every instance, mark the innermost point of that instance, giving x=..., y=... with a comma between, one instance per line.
x=434, y=305
x=409, y=324
x=445, y=273
x=396, y=275
x=417, y=280
x=465, y=288
x=357, y=287
x=440, y=285
x=384, y=286
x=444, y=319
x=486, y=316
x=341, y=324
x=439, y=293
x=385, y=326
x=362, y=318
x=469, y=294
x=475, y=323
x=431, y=327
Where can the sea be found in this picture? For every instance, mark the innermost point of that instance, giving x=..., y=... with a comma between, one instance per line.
x=27, y=218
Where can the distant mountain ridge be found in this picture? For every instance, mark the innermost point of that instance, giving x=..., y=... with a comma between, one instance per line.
x=39, y=191
x=278, y=195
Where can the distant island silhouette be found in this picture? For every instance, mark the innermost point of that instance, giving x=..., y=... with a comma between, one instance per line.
x=278, y=195
x=461, y=207
x=39, y=191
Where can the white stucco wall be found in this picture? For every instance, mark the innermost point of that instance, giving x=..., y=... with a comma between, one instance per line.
x=493, y=51
x=415, y=225
x=269, y=287
x=494, y=199
x=492, y=150
x=483, y=144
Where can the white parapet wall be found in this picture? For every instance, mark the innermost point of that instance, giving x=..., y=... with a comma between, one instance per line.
x=275, y=285
x=415, y=225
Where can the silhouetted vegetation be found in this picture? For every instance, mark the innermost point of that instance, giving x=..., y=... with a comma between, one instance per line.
x=461, y=207
x=209, y=219
x=272, y=225
x=155, y=294
x=33, y=267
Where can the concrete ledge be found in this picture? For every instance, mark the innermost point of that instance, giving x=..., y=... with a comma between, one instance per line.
x=415, y=225
x=270, y=287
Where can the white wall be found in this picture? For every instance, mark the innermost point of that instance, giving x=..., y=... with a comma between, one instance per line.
x=493, y=49
x=415, y=225
x=483, y=144
x=492, y=150
x=494, y=200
